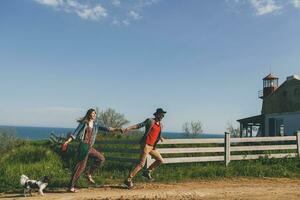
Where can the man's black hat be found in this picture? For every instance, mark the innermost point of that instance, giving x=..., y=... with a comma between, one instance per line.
x=159, y=110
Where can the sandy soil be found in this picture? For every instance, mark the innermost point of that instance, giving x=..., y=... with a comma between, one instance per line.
x=238, y=188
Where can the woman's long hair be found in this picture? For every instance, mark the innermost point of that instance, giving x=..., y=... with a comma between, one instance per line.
x=86, y=118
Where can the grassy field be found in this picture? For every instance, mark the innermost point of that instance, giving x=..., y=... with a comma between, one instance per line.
x=39, y=158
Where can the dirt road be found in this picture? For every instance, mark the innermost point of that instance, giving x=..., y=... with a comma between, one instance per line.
x=238, y=188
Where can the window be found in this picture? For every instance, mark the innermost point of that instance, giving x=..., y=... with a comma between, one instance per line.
x=281, y=129
x=276, y=127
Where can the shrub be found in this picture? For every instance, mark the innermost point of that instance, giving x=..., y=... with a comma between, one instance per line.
x=33, y=161
x=7, y=140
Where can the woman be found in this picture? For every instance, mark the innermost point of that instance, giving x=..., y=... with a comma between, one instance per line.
x=86, y=133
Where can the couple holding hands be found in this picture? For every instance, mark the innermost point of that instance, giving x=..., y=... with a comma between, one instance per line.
x=86, y=133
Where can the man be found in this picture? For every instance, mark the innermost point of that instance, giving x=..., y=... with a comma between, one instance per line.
x=152, y=135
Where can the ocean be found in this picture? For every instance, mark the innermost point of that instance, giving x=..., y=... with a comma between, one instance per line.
x=38, y=133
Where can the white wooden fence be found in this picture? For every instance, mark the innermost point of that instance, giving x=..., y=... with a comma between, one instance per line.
x=228, y=146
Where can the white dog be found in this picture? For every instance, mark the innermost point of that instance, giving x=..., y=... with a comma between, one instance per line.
x=34, y=184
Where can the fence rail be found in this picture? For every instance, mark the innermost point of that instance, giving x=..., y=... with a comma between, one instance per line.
x=226, y=146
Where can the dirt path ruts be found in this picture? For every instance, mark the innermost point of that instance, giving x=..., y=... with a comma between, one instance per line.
x=238, y=188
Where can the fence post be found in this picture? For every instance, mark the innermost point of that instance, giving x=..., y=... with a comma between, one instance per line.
x=298, y=143
x=227, y=148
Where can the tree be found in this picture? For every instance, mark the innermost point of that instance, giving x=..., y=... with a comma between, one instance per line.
x=110, y=118
x=234, y=131
x=193, y=127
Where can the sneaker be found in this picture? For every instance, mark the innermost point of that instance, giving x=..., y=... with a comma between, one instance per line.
x=147, y=175
x=128, y=183
x=90, y=179
x=73, y=190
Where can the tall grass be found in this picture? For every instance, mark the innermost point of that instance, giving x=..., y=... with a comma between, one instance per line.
x=33, y=161
x=8, y=139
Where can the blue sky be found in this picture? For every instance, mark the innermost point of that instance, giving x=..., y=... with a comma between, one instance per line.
x=198, y=59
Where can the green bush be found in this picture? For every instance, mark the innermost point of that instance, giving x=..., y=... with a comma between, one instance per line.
x=8, y=140
x=33, y=161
